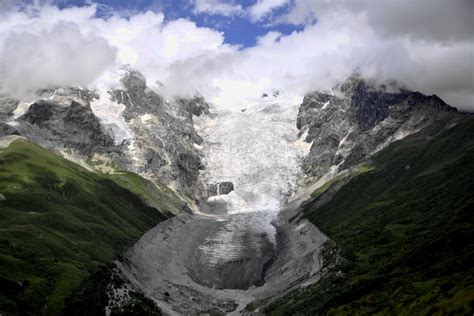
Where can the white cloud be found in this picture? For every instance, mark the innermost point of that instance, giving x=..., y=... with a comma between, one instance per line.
x=424, y=19
x=34, y=55
x=188, y=58
x=256, y=12
x=263, y=8
x=217, y=7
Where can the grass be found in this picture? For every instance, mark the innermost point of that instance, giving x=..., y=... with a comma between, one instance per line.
x=59, y=222
x=405, y=230
x=159, y=197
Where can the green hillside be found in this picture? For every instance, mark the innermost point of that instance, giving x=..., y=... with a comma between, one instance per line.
x=59, y=222
x=405, y=229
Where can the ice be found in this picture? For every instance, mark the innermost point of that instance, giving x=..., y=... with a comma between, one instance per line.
x=110, y=113
x=259, y=151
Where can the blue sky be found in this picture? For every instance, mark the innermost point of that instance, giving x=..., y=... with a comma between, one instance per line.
x=238, y=29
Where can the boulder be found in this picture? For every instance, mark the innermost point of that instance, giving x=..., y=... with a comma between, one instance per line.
x=220, y=188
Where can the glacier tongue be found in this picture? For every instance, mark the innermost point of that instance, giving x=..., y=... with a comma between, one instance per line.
x=257, y=150
x=245, y=249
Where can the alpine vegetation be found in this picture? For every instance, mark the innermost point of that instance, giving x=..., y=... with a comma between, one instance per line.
x=214, y=157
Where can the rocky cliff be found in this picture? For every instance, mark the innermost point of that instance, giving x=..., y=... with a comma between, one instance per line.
x=156, y=140
x=165, y=143
x=358, y=118
x=390, y=173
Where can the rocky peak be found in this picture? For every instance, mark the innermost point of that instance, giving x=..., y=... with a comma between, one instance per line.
x=193, y=106
x=375, y=102
x=137, y=97
x=162, y=144
x=134, y=81
x=55, y=125
x=7, y=106
x=64, y=95
x=359, y=117
x=39, y=113
x=163, y=147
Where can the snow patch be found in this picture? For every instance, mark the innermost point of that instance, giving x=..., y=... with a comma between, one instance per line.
x=343, y=140
x=110, y=113
x=146, y=118
x=21, y=109
x=54, y=94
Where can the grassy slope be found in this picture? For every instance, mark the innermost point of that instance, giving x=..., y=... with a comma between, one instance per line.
x=59, y=222
x=406, y=229
x=160, y=197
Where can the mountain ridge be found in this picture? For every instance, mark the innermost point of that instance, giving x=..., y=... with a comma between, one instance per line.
x=160, y=160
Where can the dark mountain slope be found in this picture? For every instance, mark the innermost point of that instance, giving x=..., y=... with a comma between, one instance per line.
x=59, y=222
x=404, y=225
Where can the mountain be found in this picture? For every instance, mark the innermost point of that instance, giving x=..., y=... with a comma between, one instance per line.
x=360, y=117
x=150, y=135
x=77, y=191
x=356, y=201
x=397, y=206
x=61, y=221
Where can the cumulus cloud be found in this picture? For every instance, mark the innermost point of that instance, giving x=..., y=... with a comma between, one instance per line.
x=424, y=19
x=217, y=7
x=337, y=37
x=263, y=8
x=427, y=44
x=56, y=57
x=34, y=54
x=259, y=10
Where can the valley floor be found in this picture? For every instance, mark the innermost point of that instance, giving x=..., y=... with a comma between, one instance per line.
x=171, y=266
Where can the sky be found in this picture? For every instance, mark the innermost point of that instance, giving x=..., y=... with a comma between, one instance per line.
x=233, y=51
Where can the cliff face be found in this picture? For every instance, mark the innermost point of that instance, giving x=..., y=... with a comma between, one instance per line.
x=164, y=143
x=85, y=210
x=156, y=138
x=73, y=126
x=393, y=196
x=351, y=122
x=404, y=224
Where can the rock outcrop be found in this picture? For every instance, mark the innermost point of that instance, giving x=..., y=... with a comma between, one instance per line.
x=225, y=187
x=72, y=126
x=7, y=106
x=161, y=143
x=165, y=146
x=347, y=124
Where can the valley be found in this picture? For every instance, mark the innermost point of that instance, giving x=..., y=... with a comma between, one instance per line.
x=278, y=207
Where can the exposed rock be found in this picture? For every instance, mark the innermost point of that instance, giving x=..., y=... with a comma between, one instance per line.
x=195, y=106
x=7, y=107
x=163, y=147
x=356, y=119
x=6, y=129
x=212, y=189
x=225, y=187
x=39, y=113
x=65, y=126
x=186, y=209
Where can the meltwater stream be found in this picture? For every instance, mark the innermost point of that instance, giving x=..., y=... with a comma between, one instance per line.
x=237, y=249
